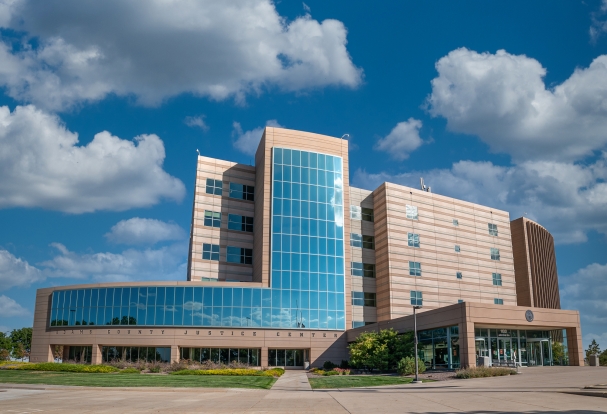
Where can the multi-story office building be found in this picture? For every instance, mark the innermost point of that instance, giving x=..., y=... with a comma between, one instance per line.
x=288, y=263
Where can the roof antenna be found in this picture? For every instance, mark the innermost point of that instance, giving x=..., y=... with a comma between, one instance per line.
x=198, y=152
x=423, y=186
x=345, y=136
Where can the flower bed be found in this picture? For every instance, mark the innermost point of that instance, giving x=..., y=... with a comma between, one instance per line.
x=51, y=366
x=274, y=372
x=326, y=373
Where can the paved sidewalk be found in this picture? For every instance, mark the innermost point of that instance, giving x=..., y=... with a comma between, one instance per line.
x=537, y=390
x=292, y=381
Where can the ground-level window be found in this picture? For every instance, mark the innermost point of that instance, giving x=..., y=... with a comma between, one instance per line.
x=248, y=356
x=439, y=348
x=79, y=354
x=136, y=353
x=286, y=357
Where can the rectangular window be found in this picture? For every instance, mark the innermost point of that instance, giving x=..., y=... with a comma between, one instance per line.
x=240, y=223
x=356, y=240
x=242, y=192
x=497, y=279
x=460, y=301
x=458, y=275
x=416, y=298
x=415, y=268
x=369, y=242
x=240, y=255
x=413, y=239
x=210, y=251
x=497, y=301
x=212, y=218
x=492, y=229
x=214, y=186
x=357, y=324
x=495, y=253
x=355, y=213
x=363, y=299
x=411, y=212
x=455, y=222
x=457, y=249
x=367, y=214
x=363, y=269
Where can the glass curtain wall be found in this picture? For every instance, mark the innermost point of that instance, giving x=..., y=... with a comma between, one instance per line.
x=307, y=280
x=134, y=353
x=508, y=347
x=307, y=240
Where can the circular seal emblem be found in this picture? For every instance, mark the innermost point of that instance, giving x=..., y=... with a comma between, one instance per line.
x=529, y=316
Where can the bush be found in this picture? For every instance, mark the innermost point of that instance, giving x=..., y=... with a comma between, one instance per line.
x=344, y=364
x=406, y=366
x=130, y=371
x=341, y=371
x=51, y=366
x=482, y=372
x=328, y=366
x=382, y=351
x=274, y=372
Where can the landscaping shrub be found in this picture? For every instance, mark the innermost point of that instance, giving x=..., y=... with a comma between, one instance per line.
x=481, y=372
x=406, y=366
x=274, y=372
x=345, y=364
x=334, y=371
x=328, y=366
x=341, y=371
x=51, y=366
x=130, y=371
x=382, y=351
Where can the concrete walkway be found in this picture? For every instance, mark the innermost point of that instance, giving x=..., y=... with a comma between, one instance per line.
x=292, y=381
x=537, y=390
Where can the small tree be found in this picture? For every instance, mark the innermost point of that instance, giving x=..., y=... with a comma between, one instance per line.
x=22, y=336
x=5, y=346
x=381, y=350
x=18, y=351
x=593, y=349
x=558, y=353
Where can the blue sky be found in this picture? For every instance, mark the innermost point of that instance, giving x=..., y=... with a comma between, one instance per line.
x=103, y=106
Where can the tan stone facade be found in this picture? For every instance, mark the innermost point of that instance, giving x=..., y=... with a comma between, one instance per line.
x=537, y=281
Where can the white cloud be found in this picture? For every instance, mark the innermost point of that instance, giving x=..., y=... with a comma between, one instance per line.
x=157, y=49
x=144, y=231
x=568, y=199
x=197, y=121
x=586, y=290
x=164, y=263
x=402, y=140
x=502, y=99
x=8, y=308
x=248, y=141
x=42, y=165
x=15, y=272
x=599, y=23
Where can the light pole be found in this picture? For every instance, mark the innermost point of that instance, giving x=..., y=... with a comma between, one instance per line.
x=415, y=308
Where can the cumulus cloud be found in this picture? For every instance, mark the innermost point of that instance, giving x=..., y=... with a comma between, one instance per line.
x=9, y=308
x=248, y=141
x=164, y=263
x=197, y=122
x=568, y=199
x=586, y=290
x=144, y=231
x=42, y=165
x=402, y=140
x=72, y=51
x=16, y=272
x=503, y=100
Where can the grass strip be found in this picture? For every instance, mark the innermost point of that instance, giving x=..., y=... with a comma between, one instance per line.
x=133, y=380
x=350, y=381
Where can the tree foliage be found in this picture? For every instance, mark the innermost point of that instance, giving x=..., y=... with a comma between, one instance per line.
x=593, y=349
x=382, y=350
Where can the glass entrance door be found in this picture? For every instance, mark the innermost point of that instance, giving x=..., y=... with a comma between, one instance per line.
x=535, y=353
x=505, y=354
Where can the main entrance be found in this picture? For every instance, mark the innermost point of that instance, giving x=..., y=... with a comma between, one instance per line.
x=288, y=358
x=509, y=347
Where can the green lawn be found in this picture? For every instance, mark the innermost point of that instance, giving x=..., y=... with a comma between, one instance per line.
x=348, y=381
x=133, y=380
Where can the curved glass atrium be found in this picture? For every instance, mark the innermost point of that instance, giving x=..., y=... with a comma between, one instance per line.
x=307, y=262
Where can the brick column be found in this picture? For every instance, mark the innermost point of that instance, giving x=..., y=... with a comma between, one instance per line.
x=174, y=354
x=264, y=357
x=467, y=347
x=96, y=355
x=574, y=345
